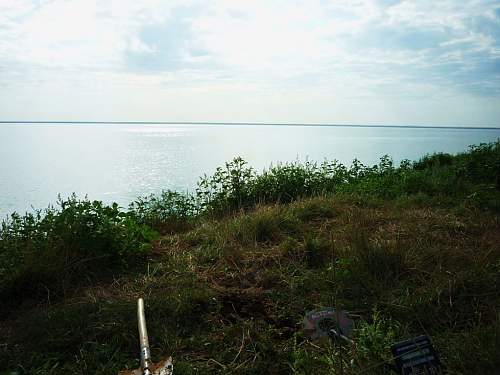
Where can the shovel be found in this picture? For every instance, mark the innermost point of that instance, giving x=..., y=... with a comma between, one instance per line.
x=147, y=367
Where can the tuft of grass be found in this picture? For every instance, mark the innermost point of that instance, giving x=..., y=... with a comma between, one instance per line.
x=317, y=251
x=378, y=263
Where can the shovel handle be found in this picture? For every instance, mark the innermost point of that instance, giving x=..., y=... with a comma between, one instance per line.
x=143, y=338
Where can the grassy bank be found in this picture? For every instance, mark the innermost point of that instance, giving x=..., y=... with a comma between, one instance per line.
x=229, y=271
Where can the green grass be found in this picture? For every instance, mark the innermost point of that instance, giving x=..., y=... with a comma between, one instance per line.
x=406, y=250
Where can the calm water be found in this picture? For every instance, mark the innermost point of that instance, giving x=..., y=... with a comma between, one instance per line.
x=120, y=162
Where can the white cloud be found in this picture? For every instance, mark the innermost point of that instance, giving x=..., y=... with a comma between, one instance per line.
x=448, y=16
x=87, y=33
x=281, y=35
x=251, y=55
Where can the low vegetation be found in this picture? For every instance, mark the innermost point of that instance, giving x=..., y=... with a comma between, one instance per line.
x=229, y=271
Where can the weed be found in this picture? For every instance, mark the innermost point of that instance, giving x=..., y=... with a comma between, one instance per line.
x=317, y=250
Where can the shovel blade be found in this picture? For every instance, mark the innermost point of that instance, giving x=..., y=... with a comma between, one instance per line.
x=164, y=367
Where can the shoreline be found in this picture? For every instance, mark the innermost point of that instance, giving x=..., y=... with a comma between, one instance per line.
x=457, y=127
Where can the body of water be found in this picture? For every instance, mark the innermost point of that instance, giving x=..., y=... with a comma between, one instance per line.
x=119, y=162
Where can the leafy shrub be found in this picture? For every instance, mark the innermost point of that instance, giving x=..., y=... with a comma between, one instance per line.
x=434, y=161
x=169, y=210
x=237, y=186
x=287, y=182
x=47, y=250
x=482, y=163
x=226, y=189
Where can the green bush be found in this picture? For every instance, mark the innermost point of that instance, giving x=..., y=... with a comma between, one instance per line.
x=226, y=189
x=434, y=161
x=53, y=249
x=473, y=176
x=482, y=163
x=169, y=210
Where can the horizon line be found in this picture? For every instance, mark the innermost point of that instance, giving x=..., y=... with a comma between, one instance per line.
x=249, y=123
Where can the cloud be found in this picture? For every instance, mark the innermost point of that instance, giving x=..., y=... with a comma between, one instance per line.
x=79, y=32
x=236, y=52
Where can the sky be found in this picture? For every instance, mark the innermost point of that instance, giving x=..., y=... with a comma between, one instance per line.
x=380, y=62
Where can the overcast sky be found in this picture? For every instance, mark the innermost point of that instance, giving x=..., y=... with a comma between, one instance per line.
x=317, y=61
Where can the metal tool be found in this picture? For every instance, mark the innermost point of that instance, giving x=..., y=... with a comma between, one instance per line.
x=143, y=339
x=147, y=366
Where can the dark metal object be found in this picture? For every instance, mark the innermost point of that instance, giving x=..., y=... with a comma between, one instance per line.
x=328, y=322
x=416, y=356
x=337, y=336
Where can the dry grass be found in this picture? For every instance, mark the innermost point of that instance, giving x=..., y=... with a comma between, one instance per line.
x=229, y=296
